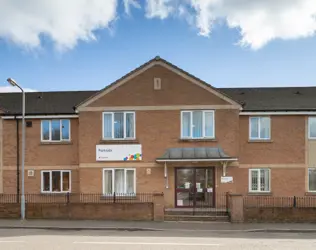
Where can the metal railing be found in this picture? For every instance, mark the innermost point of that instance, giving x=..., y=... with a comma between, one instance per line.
x=280, y=202
x=65, y=198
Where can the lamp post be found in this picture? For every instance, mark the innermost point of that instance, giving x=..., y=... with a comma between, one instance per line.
x=14, y=84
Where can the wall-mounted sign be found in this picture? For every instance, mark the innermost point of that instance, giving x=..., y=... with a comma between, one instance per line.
x=119, y=152
x=226, y=179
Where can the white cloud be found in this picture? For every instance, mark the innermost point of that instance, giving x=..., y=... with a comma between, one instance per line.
x=9, y=89
x=259, y=21
x=128, y=3
x=63, y=21
x=159, y=8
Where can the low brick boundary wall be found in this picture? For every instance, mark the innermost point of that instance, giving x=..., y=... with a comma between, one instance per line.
x=81, y=211
x=280, y=214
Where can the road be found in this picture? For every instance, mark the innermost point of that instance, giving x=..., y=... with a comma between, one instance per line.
x=31, y=239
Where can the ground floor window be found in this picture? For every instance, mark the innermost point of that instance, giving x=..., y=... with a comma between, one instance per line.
x=56, y=181
x=119, y=181
x=312, y=180
x=259, y=180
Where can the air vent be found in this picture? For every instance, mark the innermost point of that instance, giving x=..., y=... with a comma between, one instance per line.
x=30, y=173
x=157, y=83
x=29, y=124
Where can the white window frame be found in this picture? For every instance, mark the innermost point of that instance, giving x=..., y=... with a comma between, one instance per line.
x=191, y=125
x=259, y=138
x=50, y=130
x=113, y=181
x=112, y=114
x=310, y=191
x=51, y=183
x=309, y=131
x=259, y=179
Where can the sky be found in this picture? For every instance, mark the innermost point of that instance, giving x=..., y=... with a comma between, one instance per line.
x=57, y=45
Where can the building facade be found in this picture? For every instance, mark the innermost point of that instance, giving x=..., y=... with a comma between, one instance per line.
x=160, y=129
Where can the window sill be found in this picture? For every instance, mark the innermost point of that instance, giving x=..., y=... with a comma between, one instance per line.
x=56, y=143
x=123, y=141
x=55, y=193
x=118, y=197
x=259, y=141
x=310, y=193
x=198, y=140
x=259, y=194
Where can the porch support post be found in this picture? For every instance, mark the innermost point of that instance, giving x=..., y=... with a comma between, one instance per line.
x=166, y=176
x=224, y=167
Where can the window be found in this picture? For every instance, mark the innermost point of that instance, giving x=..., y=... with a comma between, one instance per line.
x=56, y=181
x=55, y=130
x=119, y=180
x=259, y=180
x=119, y=125
x=312, y=127
x=312, y=179
x=197, y=124
x=259, y=128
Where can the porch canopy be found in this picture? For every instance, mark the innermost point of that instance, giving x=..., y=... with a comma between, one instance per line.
x=200, y=154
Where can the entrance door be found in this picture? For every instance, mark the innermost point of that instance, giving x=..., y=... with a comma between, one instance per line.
x=194, y=187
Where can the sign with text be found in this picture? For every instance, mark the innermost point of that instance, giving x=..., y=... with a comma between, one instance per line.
x=130, y=152
x=226, y=179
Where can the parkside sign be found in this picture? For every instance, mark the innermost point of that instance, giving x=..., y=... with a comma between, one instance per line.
x=119, y=152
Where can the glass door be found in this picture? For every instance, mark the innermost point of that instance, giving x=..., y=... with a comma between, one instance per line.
x=194, y=187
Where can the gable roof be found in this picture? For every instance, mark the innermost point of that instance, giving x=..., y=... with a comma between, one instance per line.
x=253, y=99
x=161, y=62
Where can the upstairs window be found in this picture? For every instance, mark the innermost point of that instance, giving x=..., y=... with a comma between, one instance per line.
x=259, y=128
x=197, y=124
x=55, y=130
x=312, y=127
x=118, y=125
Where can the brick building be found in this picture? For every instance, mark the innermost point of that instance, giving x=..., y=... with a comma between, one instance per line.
x=158, y=128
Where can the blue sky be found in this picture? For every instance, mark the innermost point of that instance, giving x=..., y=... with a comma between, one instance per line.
x=133, y=38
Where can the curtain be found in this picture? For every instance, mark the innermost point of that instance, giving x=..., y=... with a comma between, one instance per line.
x=197, y=124
x=130, y=125
x=312, y=179
x=254, y=127
x=66, y=181
x=264, y=127
x=56, y=130
x=119, y=181
x=186, y=124
x=65, y=129
x=209, y=126
x=56, y=181
x=46, y=181
x=130, y=181
x=264, y=180
x=312, y=127
x=45, y=130
x=107, y=125
x=107, y=182
x=118, y=125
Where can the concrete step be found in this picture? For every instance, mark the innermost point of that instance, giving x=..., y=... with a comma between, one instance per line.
x=222, y=218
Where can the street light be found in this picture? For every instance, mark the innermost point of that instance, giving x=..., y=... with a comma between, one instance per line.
x=14, y=84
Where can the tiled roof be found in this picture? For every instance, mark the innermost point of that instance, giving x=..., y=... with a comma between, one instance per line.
x=253, y=99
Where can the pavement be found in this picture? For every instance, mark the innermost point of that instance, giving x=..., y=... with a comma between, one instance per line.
x=156, y=226
x=33, y=239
